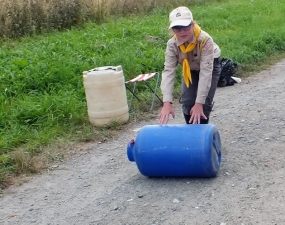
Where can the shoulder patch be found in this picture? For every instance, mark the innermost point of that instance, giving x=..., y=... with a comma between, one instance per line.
x=207, y=45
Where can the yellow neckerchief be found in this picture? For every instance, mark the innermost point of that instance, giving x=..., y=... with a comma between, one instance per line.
x=185, y=65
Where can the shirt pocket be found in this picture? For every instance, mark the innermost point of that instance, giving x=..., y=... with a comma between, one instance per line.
x=195, y=63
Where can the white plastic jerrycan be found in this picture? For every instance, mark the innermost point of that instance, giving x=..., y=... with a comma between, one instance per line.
x=106, y=95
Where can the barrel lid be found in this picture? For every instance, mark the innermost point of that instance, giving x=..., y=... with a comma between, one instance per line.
x=105, y=68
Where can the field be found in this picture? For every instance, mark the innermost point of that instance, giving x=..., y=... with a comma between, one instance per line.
x=42, y=102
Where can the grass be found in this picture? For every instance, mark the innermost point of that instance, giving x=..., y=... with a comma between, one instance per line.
x=42, y=100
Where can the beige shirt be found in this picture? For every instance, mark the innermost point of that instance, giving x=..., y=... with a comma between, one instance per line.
x=202, y=61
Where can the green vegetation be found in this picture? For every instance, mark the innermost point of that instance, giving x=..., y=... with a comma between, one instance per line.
x=42, y=100
x=24, y=17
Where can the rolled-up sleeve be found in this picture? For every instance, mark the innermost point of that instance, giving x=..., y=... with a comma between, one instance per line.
x=206, y=68
x=169, y=72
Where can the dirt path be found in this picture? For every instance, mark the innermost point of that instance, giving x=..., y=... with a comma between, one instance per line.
x=102, y=187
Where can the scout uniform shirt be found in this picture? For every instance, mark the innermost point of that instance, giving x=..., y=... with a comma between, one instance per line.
x=200, y=59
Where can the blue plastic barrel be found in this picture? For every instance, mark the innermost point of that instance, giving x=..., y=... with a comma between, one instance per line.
x=177, y=150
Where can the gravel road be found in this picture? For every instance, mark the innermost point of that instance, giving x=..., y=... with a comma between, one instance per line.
x=102, y=187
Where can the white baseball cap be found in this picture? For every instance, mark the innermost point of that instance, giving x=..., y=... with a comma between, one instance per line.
x=180, y=16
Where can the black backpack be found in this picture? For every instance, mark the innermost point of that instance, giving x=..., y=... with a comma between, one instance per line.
x=228, y=69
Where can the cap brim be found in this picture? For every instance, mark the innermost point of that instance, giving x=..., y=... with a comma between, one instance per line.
x=180, y=23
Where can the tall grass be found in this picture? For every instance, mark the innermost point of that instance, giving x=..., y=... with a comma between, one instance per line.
x=42, y=100
x=27, y=17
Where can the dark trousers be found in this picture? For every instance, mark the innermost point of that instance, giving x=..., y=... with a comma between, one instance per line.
x=189, y=94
